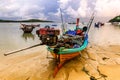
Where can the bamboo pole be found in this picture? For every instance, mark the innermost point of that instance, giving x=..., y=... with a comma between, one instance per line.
x=21, y=49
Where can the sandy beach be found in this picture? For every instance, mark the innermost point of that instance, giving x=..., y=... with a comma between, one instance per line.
x=96, y=62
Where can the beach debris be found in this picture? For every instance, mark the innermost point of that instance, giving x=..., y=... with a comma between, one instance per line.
x=105, y=58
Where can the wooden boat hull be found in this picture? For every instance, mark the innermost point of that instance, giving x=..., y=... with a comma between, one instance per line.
x=66, y=54
x=61, y=59
x=27, y=30
x=64, y=57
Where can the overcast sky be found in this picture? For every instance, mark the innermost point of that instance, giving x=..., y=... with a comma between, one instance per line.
x=49, y=9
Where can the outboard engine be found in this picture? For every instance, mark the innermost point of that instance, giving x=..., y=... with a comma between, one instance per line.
x=49, y=40
x=48, y=36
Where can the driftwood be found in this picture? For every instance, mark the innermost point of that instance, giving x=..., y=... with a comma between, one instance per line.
x=21, y=49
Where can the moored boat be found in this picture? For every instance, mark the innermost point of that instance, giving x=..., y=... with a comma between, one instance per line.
x=69, y=46
x=54, y=24
x=28, y=28
x=98, y=24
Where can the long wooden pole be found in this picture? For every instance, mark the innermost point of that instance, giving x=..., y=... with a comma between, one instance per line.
x=21, y=49
x=90, y=23
x=63, y=27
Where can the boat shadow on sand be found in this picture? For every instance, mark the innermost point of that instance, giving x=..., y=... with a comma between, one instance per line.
x=73, y=66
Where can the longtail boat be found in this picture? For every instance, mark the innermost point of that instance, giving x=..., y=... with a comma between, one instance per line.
x=64, y=54
x=28, y=28
x=70, y=45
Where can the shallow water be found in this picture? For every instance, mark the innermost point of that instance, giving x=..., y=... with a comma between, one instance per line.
x=12, y=37
x=105, y=35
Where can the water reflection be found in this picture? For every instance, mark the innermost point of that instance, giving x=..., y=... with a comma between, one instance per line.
x=28, y=36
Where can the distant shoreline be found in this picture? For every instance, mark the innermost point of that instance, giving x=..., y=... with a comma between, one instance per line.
x=24, y=22
x=30, y=20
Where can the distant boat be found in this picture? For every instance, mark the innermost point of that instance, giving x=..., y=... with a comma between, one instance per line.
x=54, y=24
x=101, y=24
x=72, y=23
x=28, y=28
x=98, y=24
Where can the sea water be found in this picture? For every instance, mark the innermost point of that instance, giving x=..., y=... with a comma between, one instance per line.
x=12, y=37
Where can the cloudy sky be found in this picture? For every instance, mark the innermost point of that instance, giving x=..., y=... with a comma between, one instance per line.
x=50, y=9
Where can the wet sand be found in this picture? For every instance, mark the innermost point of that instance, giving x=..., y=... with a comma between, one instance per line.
x=96, y=62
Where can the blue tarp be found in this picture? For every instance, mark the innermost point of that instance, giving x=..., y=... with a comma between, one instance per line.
x=71, y=32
